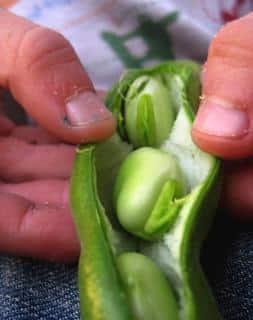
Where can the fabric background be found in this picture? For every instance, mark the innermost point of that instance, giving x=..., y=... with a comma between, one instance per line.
x=110, y=36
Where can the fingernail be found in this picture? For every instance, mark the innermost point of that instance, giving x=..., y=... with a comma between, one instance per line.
x=86, y=108
x=217, y=119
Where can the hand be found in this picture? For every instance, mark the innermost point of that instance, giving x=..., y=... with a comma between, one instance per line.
x=45, y=76
x=224, y=124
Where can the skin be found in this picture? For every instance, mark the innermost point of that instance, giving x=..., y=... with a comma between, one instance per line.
x=35, y=164
x=224, y=124
x=35, y=218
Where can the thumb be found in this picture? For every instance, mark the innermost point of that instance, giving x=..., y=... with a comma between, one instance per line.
x=44, y=74
x=224, y=123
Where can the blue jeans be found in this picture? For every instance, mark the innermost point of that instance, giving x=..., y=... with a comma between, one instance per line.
x=32, y=290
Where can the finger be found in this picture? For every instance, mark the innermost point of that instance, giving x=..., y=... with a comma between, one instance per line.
x=21, y=161
x=50, y=191
x=224, y=124
x=237, y=196
x=101, y=93
x=33, y=135
x=40, y=231
x=44, y=74
x=6, y=125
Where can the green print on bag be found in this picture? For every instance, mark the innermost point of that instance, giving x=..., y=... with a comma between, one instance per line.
x=155, y=36
x=143, y=203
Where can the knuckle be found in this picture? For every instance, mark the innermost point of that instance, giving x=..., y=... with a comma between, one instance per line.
x=45, y=57
x=41, y=48
x=228, y=50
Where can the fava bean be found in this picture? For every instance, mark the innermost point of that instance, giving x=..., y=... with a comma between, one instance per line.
x=149, y=292
x=146, y=177
x=149, y=115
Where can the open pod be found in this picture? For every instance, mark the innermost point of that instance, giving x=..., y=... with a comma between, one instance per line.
x=143, y=202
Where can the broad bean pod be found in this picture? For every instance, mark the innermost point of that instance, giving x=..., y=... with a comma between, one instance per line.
x=143, y=202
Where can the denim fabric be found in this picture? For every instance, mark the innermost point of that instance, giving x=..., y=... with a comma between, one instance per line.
x=31, y=290
x=228, y=263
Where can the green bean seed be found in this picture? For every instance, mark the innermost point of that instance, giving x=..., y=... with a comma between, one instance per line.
x=148, y=290
x=148, y=113
x=143, y=177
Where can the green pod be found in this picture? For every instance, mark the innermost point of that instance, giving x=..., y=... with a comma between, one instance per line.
x=101, y=293
x=171, y=228
x=149, y=292
x=148, y=112
x=155, y=175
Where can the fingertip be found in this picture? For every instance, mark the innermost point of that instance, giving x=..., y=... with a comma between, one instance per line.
x=222, y=147
x=90, y=133
x=88, y=119
x=86, y=108
x=221, y=119
x=94, y=132
x=223, y=130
